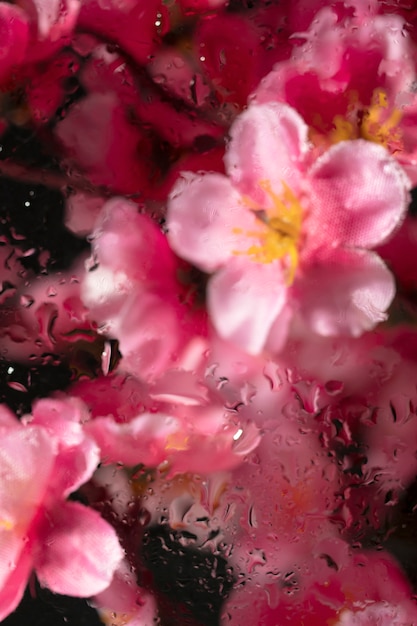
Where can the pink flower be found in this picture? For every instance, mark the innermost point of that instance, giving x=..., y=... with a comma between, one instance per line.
x=284, y=233
x=132, y=291
x=345, y=589
x=123, y=603
x=186, y=430
x=71, y=548
x=352, y=78
x=181, y=421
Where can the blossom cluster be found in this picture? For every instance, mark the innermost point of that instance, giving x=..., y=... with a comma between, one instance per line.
x=235, y=181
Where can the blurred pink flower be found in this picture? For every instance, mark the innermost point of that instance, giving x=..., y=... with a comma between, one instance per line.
x=179, y=425
x=42, y=460
x=362, y=394
x=332, y=586
x=132, y=291
x=123, y=603
x=349, y=78
x=284, y=233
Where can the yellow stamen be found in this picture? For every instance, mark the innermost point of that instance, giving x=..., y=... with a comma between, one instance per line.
x=376, y=122
x=374, y=129
x=279, y=232
x=343, y=130
x=176, y=441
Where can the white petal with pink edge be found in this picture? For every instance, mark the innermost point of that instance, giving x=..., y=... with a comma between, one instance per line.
x=345, y=292
x=12, y=589
x=206, y=217
x=80, y=553
x=142, y=440
x=268, y=143
x=244, y=300
x=24, y=450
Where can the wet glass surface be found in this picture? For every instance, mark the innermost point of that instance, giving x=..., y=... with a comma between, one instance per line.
x=207, y=366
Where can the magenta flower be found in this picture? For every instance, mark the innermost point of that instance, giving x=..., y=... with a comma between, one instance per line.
x=71, y=548
x=288, y=235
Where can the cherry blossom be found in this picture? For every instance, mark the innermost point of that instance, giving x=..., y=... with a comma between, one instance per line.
x=133, y=294
x=71, y=548
x=355, y=588
x=284, y=233
x=239, y=172
x=346, y=100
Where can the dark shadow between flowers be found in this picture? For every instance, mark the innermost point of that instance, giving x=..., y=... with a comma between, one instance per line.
x=190, y=584
x=41, y=607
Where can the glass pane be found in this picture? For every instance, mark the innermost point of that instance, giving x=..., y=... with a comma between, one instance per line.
x=208, y=346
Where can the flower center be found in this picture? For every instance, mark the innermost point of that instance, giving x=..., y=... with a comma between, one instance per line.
x=377, y=122
x=280, y=229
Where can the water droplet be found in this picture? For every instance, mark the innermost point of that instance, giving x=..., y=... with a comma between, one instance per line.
x=26, y=300
x=333, y=387
x=17, y=386
x=271, y=373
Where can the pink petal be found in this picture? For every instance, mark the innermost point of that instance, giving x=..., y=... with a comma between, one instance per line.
x=7, y=418
x=142, y=440
x=123, y=594
x=148, y=332
x=277, y=336
x=268, y=142
x=24, y=452
x=55, y=19
x=74, y=467
x=217, y=453
x=12, y=589
x=61, y=418
x=121, y=21
x=203, y=214
x=80, y=553
x=179, y=386
x=244, y=299
x=345, y=292
x=77, y=454
x=81, y=212
x=99, y=138
x=358, y=195
x=127, y=241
